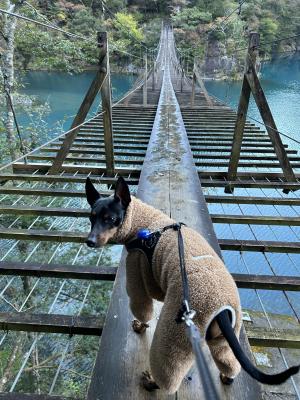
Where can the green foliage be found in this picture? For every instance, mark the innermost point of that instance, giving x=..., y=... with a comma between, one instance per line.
x=229, y=31
x=189, y=18
x=128, y=25
x=268, y=29
x=41, y=50
x=4, y=154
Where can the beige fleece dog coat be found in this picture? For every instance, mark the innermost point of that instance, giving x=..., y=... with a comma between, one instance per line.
x=212, y=290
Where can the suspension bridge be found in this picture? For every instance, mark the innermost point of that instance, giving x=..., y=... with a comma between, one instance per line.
x=186, y=153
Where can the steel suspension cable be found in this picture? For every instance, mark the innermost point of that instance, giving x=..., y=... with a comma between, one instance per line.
x=22, y=148
x=227, y=17
x=53, y=27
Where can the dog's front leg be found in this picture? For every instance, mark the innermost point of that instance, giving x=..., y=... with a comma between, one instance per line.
x=141, y=304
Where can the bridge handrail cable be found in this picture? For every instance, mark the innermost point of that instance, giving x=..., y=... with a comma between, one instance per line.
x=53, y=27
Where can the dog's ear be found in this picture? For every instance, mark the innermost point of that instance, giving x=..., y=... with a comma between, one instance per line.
x=122, y=192
x=92, y=194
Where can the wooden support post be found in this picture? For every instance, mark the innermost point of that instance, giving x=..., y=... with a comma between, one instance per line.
x=107, y=108
x=181, y=80
x=81, y=114
x=153, y=75
x=202, y=86
x=241, y=114
x=193, y=90
x=251, y=84
x=270, y=125
x=145, y=88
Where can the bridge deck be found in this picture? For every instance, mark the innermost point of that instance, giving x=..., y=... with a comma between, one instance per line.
x=44, y=225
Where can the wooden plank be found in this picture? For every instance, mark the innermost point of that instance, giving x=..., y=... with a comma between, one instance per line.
x=64, y=271
x=43, y=235
x=221, y=133
x=253, y=157
x=83, y=110
x=224, y=135
x=267, y=282
x=122, y=124
x=107, y=106
x=250, y=184
x=31, y=396
x=65, y=178
x=14, y=191
x=71, y=168
x=133, y=146
x=255, y=219
x=266, y=337
x=260, y=246
x=283, y=201
x=228, y=143
x=87, y=159
x=127, y=134
x=45, y=211
x=78, y=150
x=51, y=323
x=200, y=148
x=276, y=176
x=121, y=139
x=247, y=164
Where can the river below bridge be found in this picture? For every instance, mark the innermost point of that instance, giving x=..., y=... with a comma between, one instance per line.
x=63, y=92
x=281, y=83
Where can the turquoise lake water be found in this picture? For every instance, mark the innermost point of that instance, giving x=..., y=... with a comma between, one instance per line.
x=64, y=93
x=281, y=83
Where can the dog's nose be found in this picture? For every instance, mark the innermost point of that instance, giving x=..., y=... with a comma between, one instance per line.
x=91, y=243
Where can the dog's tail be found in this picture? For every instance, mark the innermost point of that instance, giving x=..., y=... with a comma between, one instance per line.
x=229, y=334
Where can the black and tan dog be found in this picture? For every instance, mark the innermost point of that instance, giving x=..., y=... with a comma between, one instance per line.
x=213, y=293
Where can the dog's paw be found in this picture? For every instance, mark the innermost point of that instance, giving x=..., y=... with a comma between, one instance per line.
x=147, y=382
x=225, y=380
x=139, y=327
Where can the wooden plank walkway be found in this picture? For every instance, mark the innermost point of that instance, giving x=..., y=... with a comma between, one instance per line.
x=169, y=182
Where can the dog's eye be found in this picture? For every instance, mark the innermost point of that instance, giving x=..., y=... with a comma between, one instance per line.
x=110, y=220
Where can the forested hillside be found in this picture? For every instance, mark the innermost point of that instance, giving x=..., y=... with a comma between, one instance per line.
x=202, y=27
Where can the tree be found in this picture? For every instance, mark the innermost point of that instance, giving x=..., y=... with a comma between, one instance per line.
x=7, y=74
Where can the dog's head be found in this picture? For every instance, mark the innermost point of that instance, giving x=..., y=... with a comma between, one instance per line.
x=107, y=214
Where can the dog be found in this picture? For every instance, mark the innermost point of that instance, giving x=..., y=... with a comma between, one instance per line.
x=214, y=295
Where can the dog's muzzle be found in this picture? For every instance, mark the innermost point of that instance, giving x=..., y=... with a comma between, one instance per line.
x=92, y=240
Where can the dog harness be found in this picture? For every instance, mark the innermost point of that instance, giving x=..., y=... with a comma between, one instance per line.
x=146, y=241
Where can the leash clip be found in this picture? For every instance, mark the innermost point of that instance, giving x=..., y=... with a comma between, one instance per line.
x=177, y=225
x=185, y=314
x=188, y=316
